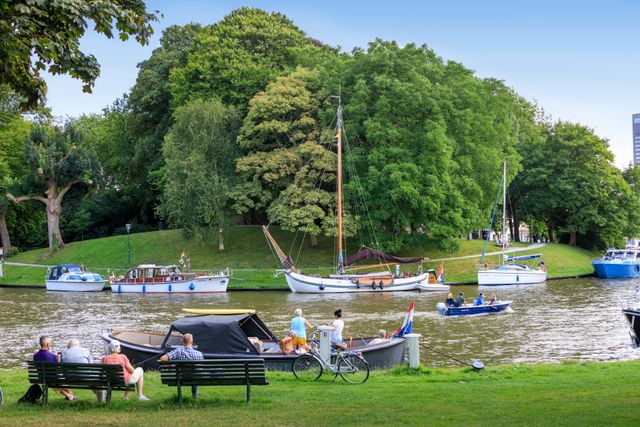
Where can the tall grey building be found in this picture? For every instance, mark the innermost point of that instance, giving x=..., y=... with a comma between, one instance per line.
x=636, y=139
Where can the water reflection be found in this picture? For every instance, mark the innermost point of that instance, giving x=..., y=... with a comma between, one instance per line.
x=569, y=319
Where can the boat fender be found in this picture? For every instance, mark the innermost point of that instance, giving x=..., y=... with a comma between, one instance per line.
x=192, y=286
x=119, y=289
x=144, y=288
x=357, y=283
x=322, y=287
x=373, y=285
x=170, y=287
x=381, y=285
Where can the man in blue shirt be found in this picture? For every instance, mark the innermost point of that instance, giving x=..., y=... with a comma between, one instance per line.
x=185, y=352
x=45, y=355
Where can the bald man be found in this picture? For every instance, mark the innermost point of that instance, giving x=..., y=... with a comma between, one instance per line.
x=185, y=352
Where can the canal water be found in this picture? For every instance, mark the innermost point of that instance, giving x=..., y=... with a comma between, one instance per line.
x=574, y=319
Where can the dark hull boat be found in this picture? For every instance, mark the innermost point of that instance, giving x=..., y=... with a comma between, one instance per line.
x=472, y=309
x=241, y=336
x=633, y=317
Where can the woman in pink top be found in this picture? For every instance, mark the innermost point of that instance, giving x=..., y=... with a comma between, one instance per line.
x=131, y=376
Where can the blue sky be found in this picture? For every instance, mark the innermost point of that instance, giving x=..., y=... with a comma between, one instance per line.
x=578, y=59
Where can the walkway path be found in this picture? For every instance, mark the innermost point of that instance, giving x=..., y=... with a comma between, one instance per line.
x=527, y=248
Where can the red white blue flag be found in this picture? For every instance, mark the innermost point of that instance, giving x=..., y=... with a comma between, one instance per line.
x=441, y=274
x=407, y=325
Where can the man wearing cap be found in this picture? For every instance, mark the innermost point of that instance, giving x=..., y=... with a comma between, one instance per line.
x=185, y=352
x=131, y=376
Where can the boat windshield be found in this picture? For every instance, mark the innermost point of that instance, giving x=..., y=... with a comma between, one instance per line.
x=74, y=269
x=630, y=255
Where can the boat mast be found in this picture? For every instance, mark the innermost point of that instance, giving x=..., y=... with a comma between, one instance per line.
x=339, y=146
x=504, y=208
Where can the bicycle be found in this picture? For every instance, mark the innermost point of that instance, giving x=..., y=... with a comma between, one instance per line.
x=350, y=365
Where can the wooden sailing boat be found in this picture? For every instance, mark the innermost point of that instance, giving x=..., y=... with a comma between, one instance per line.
x=346, y=278
x=509, y=273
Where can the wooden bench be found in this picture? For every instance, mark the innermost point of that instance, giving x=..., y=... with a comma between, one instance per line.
x=213, y=372
x=93, y=376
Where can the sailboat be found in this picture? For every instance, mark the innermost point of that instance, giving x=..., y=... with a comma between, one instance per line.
x=348, y=278
x=509, y=272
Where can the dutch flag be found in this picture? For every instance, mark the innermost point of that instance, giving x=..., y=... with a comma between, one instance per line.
x=441, y=274
x=407, y=325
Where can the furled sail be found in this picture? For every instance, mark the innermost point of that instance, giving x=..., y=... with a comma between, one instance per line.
x=370, y=253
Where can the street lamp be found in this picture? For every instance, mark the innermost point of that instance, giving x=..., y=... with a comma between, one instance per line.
x=128, y=228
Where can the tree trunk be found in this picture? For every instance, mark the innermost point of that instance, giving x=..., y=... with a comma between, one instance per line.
x=550, y=231
x=54, y=210
x=313, y=240
x=4, y=233
x=220, y=240
x=572, y=238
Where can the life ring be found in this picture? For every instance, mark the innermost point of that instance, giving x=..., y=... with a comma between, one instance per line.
x=322, y=287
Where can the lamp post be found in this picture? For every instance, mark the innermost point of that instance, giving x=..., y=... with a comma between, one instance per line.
x=128, y=228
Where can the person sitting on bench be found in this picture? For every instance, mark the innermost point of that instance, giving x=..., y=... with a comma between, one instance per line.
x=185, y=352
x=131, y=376
x=45, y=355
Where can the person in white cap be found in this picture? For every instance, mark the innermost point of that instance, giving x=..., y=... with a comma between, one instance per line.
x=131, y=376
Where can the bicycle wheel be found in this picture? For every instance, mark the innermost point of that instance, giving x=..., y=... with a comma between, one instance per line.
x=306, y=367
x=353, y=369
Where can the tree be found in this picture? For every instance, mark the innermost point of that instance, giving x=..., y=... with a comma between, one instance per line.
x=237, y=57
x=289, y=170
x=57, y=162
x=199, y=154
x=45, y=35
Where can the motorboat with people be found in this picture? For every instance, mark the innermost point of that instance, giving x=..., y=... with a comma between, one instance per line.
x=631, y=312
x=237, y=335
x=168, y=279
x=73, y=278
x=348, y=277
x=618, y=263
x=467, y=309
x=511, y=270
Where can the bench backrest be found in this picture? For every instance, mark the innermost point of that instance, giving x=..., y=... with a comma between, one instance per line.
x=213, y=372
x=73, y=374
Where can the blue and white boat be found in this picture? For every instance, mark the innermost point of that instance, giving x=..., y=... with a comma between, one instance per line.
x=467, y=309
x=618, y=263
x=73, y=278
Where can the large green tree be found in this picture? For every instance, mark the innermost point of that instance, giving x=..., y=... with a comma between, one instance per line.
x=199, y=154
x=45, y=35
x=57, y=162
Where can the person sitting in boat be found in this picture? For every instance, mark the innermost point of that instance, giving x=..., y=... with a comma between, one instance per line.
x=299, y=326
x=185, y=352
x=542, y=266
x=480, y=300
x=450, y=302
x=285, y=343
x=380, y=339
x=494, y=299
x=336, y=330
x=131, y=376
x=460, y=300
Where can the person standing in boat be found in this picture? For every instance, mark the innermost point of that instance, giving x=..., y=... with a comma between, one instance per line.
x=336, y=330
x=299, y=326
x=460, y=300
x=480, y=300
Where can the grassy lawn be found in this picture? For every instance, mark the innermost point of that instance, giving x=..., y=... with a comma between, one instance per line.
x=251, y=260
x=567, y=394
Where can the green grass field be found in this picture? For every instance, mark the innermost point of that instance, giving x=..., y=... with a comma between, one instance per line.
x=251, y=260
x=563, y=394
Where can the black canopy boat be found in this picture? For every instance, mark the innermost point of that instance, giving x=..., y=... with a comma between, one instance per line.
x=632, y=314
x=237, y=335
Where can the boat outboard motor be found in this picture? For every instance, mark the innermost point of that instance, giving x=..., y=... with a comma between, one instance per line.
x=442, y=308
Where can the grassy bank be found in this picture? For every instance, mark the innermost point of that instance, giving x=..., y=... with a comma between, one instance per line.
x=568, y=394
x=251, y=260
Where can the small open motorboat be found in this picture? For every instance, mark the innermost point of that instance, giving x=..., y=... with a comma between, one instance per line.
x=467, y=309
x=241, y=335
x=73, y=278
x=632, y=314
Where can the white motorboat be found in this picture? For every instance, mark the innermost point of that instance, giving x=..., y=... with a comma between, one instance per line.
x=509, y=273
x=168, y=279
x=73, y=278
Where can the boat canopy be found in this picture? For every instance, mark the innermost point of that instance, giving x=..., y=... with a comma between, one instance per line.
x=370, y=253
x=223, y=334
x=59, y=270
x=521, y=257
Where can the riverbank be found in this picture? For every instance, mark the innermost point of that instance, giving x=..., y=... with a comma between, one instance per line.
x=558, y=394
x=252, y=263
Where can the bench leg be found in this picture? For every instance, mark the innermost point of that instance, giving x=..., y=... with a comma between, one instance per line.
x=246, y=374
x=108, y=399
x=194, y=392
x=45, y=395
x=179, y=394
